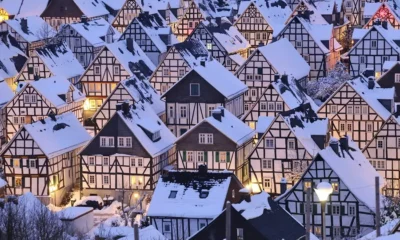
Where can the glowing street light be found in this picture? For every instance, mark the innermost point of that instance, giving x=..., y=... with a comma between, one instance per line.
x=323, y=190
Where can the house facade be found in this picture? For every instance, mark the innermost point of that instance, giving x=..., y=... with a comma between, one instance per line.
x=126, y=14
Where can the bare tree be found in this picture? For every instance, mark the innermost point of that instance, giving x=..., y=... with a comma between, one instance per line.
x=46, y=33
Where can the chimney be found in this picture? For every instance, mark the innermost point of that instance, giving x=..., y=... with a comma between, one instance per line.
x=276, y=77
x=377, y=22
x=218, y=21
x=216, y=115
x=203, y=170
x=125, y=107
x=261, y=44
x=385, y=24
x=334, y=144
x=283, y=185
x=244, y=194
x=371, y=83
x=284, y=79
x=84, y=19
x=118, y=106
x=344, y=143
x=203, y=63
x=129, y=44
x=222, y=111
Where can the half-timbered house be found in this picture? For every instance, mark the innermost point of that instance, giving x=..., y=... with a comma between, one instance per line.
x=259, y=70
x=350, y=209
x=129, y=10
x=221, y=141
x=86, y=38
x=382, y=152
x=115, y=62
x=12, y=59
x=286, y=148
x=59, y=12
x=203, y=89
x=30, y=32
x=178, y=61
x=51, y=60
x=223, y=41
x=374, y=46
x=259, y=21
x=354, y=10
x=199, y=10
x=37, y=99
x=391, y=78
x=170, y=10
x=152, y=34
x=185, y=202
x=42, y=157
x=358, y=109
x=386, y=12
x=131, y=90
x=6, y=94
x=315, y=42
x=129, y=153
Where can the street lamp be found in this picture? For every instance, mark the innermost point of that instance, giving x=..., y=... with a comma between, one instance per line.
x=323, y=190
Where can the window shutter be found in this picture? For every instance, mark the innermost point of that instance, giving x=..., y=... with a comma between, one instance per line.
x=217, y=156
x=342, y=210
x=329, y=209
x=13, y=181
x=12, y=162
x=228, y=156
x=37, y=163
x=184, y=156
x=301, y=207
x=21, y=163
x=315, y=206
x=23, y=181
x=205, y=157
x=27, y=163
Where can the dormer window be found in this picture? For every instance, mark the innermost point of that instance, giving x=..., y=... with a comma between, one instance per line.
x=204, y=193
x=156, y=135
x=173, y=194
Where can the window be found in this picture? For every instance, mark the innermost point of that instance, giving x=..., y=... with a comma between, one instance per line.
x=194, y=89
x=364, y=109
x=397, y=78
x=222, y=157
x=264, y=36
x=183, y=112
x=97, y=70
x=133, y=162
x=267, y=163
x=106, y=141
x=379, y=144
x=228, y=62
x=258, y=36
x=166, y=72
x=202, y=138
x=181, y=72
x=209, y=46
x=167, y=227
x=91, y=179
x=239, y=234
x=317, y=230
x=18, y=182
x=200, y=156
x=246, y=107
x=173, y=194
x=267, y=183
x=333, y=109
x=373, y=43
x=307, y=184
x=335, y=209
x=398, y=142
x=357, y=110
x=210, y=138
x=190, y=157
x=279, y=106
x=349, y=127
x=353, y=231
x=263, y=106
x=253, y=92
x=206, y=138
x=349, y=109
x=202, y=224
x=106, y=161
x=298, y=43
x=124, y=142
x=306, y=57
x=336, y=231
x=91, y=161
x=32, y=163
x=116, y=70
x=106, y=180
x=335, y=186
x=291, y=144
x=30, y=98
x=140, y=162
x=369, y=127
x=384, y=59
x=362, y=59
x=210, y=109
x=269, y=143
x=77, y=42
x=271, y=106
x=352, y=210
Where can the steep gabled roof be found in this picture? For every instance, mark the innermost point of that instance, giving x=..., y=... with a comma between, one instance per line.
x=12, y=59
x=391, y=35
x=30, y=27
x=6, y=94
x=136, y=62
x=24, y=8
x=92, y=8
x=178, y=194
x=215, y=8
x=141, y=120
x=59, y=135
x=60, y=60
x=192, y=51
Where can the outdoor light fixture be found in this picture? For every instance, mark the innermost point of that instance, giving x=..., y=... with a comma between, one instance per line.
x=323, y=190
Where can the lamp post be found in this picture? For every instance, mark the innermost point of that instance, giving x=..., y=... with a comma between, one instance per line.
x=323, y=190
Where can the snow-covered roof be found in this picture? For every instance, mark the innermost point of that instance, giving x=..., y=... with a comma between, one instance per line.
x=30, y=28
x=71, y=213
x=387, y=65
x=370, y=8
x=92, y=8
x=3, y=183
x=372, y=96
x=305, y=124
x=54, y=137
x=354, y=170
x=24, y=8
x=283, y=56
x=359, y=33
x=94, y=31
x=385, y=230
x=192, y=51
x=156, y=28
x=6, y=94
x=114, y=4
x=227, y=35
x=12, y=59
x=315, y=16
x=55, y=89
x=275, y=12
x=395, y=236
x=142, y=121
x=325, y=7
x=374, y=8
x=60, y=60
x=127, y=233
x=391, y=35
x=254, y=208
x=238, y=59
x=216, y=8
x=136, y=63
x=263, y=123
x=190, y=194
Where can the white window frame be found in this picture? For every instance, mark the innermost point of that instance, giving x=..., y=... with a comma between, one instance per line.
x=267, y=181
x=279, y=106
x=190, y=156
x=397, y=78
x=378, y=145
x=335, y=207
x=30, y=98
x=271, y=106
x=133, y=162
x=97, y=70
x=104, y=180
x=263, y=106
x=106, y=160
x=209, y=46
x=333, y=109
x=369, y=127
x=291, y=141
x=183, y=112
x=108, y=141
x=92, y=177
x=200, y=156
x=116, y=70
x=267, y=163
x=364, y=110
x=269, y=143
x=222, y=157
x=349, y=109
x=167, y=224
x=352, y=211
x=34, y=163
x=374, y=43
x=92, y=160
x=362, y=60
x=140, y=162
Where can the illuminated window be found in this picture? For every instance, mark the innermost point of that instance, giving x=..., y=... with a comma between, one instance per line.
x=18, y=182
x=209, y=46
x=335, y=186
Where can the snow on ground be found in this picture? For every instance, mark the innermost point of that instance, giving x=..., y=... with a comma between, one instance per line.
x=385, y=230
